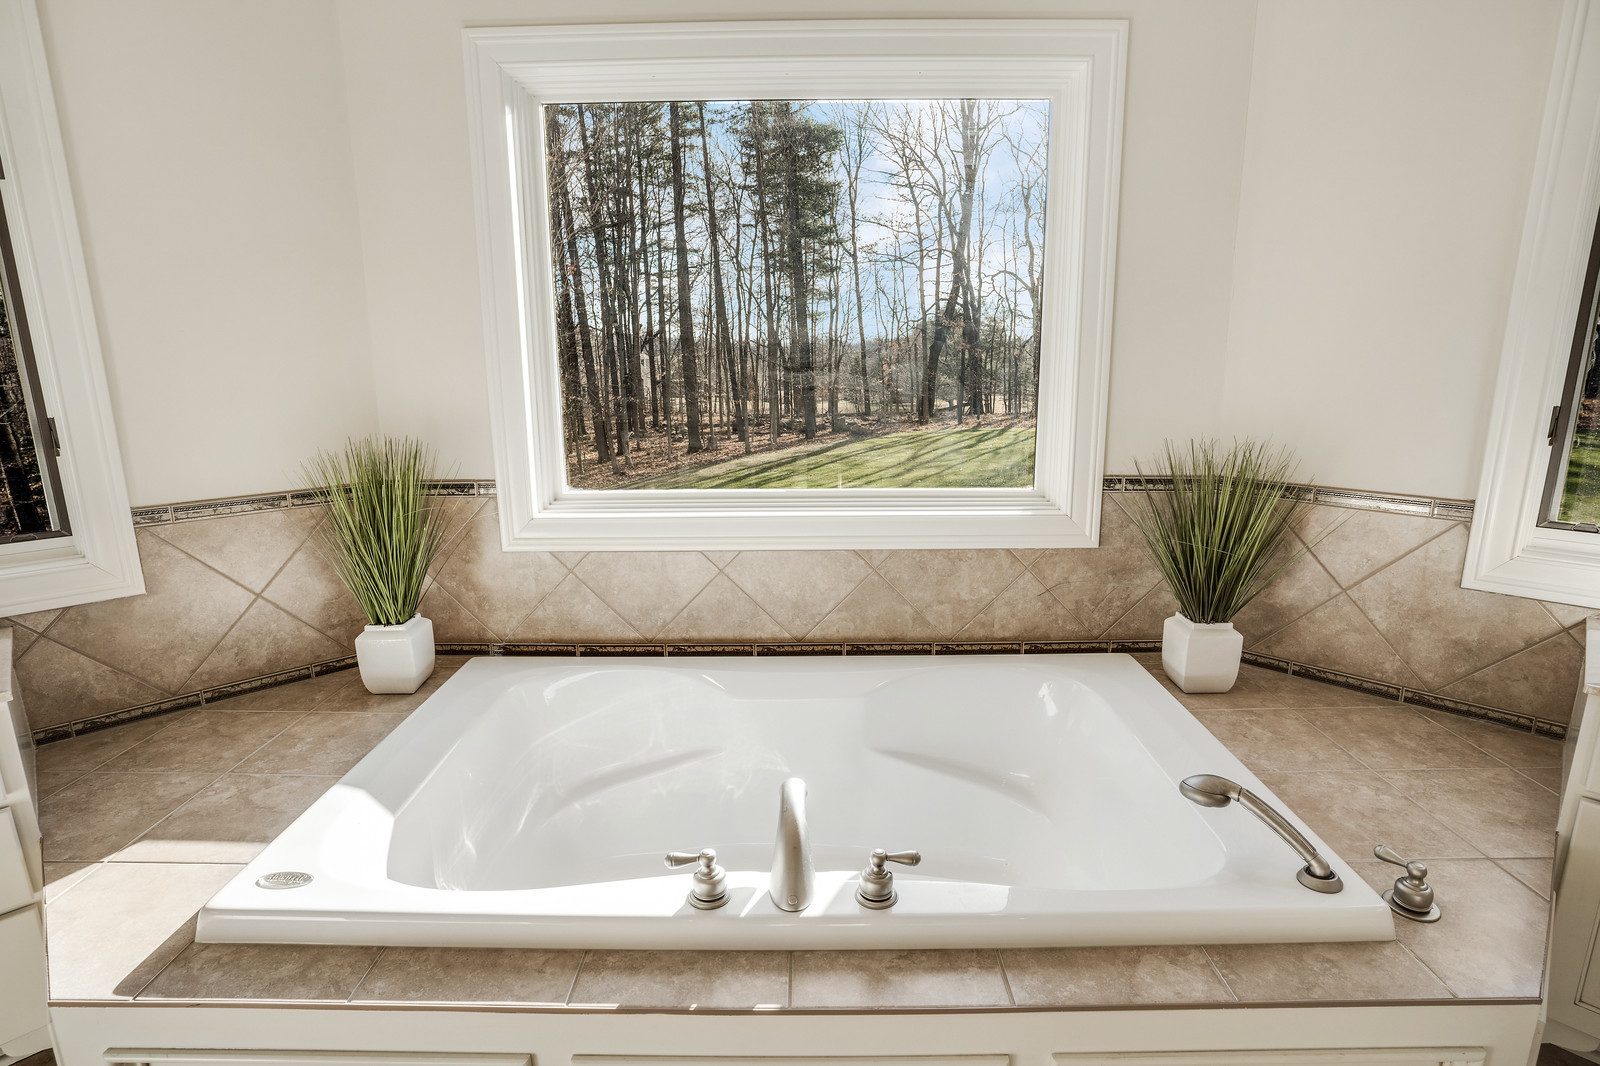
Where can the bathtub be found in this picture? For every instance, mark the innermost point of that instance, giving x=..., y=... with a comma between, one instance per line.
x=530, y=801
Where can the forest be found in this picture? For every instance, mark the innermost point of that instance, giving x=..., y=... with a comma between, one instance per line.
x=785, y=294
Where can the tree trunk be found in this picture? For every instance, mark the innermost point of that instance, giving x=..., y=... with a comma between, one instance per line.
x=799, y=297
x=723, y=343
x=602, y=421
x=691, y=381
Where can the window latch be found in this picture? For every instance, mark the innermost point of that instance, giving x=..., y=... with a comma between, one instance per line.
x=1549, y=437
x=55, y=438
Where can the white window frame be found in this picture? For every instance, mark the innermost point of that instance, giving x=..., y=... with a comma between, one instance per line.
x=100, y=559
x=1078, y=65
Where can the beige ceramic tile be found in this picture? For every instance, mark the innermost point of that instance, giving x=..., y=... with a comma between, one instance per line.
x=21, y=640
x=1121, y=559
x=1275, y=739
x=1144, y=620
x=949, y=587
x=1547, y=776
x=60, y=876
x=573, y=612
x=1025, y=611
x=262, y=971
x=1396, y=737
x=1514, y=747
x=1303, y=692
x=720, y=559
x=99, y=814
x=230, y=820
x=457, y=512
x=722, y=611
x=1408, y=600
x=683, y=980
x=647, y=589
x=498, y=587
x=322, y=743
x=121, y=915
x=1337, y=636
x=306, y=695
x=874, y=611
x=452, y=623
x=1541, y=681
x=469, y=975
x=1489, y=940
x=1353, y=544
x=1535, y=873
x=1301, y=588
x=1256, y=688
x=1565, y=615
x=53, y=781
x=92, y=750
x=1500, y=811
x=942, y=978
x=1310, y=973
x=1096, y=605
x=37, y=621
x=249, y=548
x=797, y=588
x=1092, y=977
x=63, y=686
x=204, y=740
x=265, y=641
x=352, y=695
x=308, y=588
x=1355, y=810
x=163, y=635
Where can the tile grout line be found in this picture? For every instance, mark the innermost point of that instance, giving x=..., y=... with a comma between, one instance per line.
x=373, y=965
x=1005, y=979
x=1226, y=987
x=578, y=971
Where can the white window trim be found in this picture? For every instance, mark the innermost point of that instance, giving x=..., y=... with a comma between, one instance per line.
x=1079, y=65
x=100, y=560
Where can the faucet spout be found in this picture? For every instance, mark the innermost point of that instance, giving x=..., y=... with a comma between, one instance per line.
x=791, y=851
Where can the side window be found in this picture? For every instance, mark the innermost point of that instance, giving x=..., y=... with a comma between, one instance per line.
x=31, y=504
x=1572, y=486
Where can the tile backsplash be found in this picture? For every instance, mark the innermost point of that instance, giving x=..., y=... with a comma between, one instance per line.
x=238, y=591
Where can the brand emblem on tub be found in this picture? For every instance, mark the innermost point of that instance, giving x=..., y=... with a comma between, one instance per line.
x=284, y=879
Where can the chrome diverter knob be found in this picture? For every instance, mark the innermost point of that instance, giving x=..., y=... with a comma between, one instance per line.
x=710, y=888
x=877, y=883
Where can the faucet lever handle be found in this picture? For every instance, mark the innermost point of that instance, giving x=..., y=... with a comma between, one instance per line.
x=706, y=857
x=1415, y=869
x=904, y=858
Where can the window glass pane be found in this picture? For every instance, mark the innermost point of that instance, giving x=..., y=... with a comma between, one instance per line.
x=798, y=294
x=1580, y=492
x=24, y=500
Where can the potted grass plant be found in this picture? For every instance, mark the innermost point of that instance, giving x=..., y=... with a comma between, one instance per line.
x=381, y=535
x=1219, y=536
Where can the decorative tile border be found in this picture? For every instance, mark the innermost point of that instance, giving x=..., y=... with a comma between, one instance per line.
x=1424, y=506
x=1520, y=722
x=1388, y=502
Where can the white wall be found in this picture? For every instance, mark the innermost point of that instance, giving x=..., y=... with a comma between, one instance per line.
x=1387, y=165
x=278, y=210
x=210, y=159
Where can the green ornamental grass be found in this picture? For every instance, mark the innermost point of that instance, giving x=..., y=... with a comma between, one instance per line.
x=382, y=531
x=1219, y=535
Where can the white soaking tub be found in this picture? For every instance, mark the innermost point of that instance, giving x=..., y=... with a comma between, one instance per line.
x=530, y=802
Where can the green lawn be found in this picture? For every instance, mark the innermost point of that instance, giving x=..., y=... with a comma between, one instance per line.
x=1580, y=496
x=990, y=456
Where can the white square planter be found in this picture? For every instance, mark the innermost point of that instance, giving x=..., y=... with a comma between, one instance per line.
x=395, y=658
x=1201, y=658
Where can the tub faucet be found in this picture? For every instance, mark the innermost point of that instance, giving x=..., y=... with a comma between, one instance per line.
x=791, y=851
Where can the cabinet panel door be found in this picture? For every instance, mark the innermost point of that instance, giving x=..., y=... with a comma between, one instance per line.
x=1439, y=1056
x=22, y=988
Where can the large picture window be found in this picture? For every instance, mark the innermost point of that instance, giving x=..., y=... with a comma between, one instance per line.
x=792, y=284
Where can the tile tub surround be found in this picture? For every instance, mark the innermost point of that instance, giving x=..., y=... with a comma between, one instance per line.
x=239, y=597
x=141, y=830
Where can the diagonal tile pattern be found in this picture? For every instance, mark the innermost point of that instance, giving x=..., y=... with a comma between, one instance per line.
x=238, y=596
